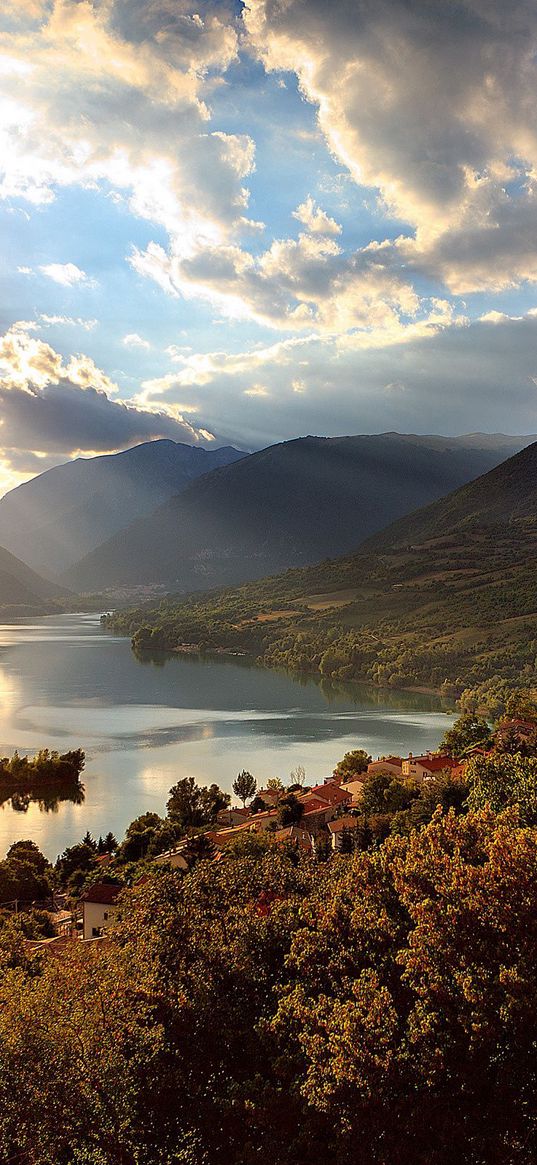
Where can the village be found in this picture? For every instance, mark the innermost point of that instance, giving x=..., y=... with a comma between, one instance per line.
x=314, y=821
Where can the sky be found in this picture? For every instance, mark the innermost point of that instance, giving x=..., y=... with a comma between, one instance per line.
x=242, y=224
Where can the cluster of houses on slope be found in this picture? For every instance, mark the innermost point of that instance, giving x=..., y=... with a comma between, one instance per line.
x=326, y=809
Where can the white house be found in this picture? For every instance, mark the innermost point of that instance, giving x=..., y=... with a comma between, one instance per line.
x=99, y=909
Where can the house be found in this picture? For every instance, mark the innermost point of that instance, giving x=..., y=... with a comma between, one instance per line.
x=234, y=816
x=390, y=765
x=356, y=790
x=524, y=728
x=339, y=827
x=175, y=858
x=431, y=764
x=331, y=793
x=270, y=796
x=62, y=921
x=99, y=908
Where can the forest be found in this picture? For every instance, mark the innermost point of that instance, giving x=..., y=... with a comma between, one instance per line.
x=377, y=1003
x=264, y=1008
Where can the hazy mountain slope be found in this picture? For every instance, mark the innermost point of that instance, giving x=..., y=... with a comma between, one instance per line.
x=447, y=594
x=62, y=514
x=291, y=504
x=21, y=585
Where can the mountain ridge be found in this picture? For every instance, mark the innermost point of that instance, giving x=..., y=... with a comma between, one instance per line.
x=284, y=506
x=58, y=516
x=444, y=598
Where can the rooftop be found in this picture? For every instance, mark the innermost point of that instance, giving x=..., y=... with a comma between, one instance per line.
x=104, y=893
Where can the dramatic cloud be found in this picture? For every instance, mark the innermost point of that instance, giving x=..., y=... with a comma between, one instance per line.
x=334, y=385
x=316, y=184
x=114, y=92
x=436, y=107
x=54, y=409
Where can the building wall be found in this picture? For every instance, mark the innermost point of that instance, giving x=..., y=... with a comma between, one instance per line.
x=384, y=766
x=97, y=918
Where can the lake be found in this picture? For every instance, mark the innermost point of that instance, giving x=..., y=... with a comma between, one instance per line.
x=67, y=683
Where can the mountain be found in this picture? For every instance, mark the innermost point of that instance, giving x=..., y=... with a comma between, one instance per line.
x=21, y=586
x=54, y=519
x=288, y=505
x=445, y=598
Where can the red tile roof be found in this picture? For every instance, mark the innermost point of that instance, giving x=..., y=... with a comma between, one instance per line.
x=434, y=764
x=331, y=793
x=340, y=823
x=105, y=893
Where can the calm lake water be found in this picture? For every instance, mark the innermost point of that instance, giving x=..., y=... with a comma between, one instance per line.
x=65, y=683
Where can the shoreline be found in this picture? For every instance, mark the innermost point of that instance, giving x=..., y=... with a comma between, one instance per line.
x=193, y=649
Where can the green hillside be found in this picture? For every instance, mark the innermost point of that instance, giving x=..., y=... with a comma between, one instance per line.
x=446, y=596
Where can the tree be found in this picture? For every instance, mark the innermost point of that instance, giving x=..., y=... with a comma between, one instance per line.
x=199, y=848
x=411, y=977
x=522, y=703
x=290, y=810
x=383, y=793
x=467, y=732
x=298, y=776
x=75, y=857
x=258, y=805
x=108, y=844
x=29, y=852
x=503, y=780
x=193, y=806
x=354, y=763
x=274, y=783
x=244, y=786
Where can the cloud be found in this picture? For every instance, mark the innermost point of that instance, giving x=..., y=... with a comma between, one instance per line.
x=115, y=93
x=67, y=274
x=133, y=340
x=296, y=284
x=315, y=219
x=462, y=377
x=435, y=110
x=52, y=321
x=56, y=408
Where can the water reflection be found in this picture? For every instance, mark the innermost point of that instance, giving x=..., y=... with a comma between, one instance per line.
x=144, y=723
x=47, y=798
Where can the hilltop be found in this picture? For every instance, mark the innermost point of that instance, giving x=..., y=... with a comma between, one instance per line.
x=62, y=514
x=445, y=596
x=289, y=505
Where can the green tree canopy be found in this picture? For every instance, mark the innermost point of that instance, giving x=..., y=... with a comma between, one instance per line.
x=191, y=805
x=244, y=786
x=290, y=810
x=353, y=764
x=503, y=780
x=467, y=732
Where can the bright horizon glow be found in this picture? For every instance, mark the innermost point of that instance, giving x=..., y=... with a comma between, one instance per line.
x=215, y=230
